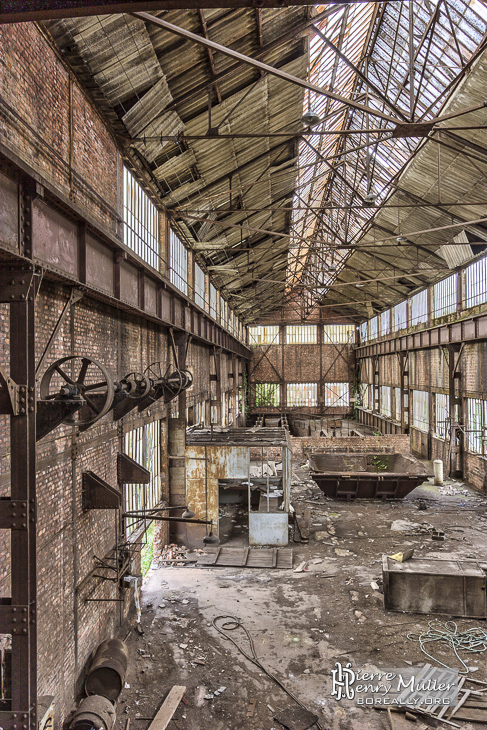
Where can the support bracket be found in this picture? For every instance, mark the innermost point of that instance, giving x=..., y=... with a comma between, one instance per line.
x=130, y=472
x=98, y=494
x=13, y=515
x=12, y=395
x=16, y=283
x=16, y=619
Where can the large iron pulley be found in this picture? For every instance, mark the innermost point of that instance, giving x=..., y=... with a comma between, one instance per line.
x=155, y=373
x=136, y=385
x=89, y=380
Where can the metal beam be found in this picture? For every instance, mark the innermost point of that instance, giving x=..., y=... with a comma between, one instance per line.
x=18, y=11
x=183, y=33
x=473, y=329
x=361, y=75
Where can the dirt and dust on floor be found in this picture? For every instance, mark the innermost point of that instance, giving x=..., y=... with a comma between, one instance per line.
x=327, y=609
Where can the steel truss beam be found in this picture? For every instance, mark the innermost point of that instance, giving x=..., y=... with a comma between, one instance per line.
x=472, y=329
x=17, y=11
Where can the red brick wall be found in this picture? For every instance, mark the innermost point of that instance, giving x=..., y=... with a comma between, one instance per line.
x=35, y=126
x=301, y=446
x=289, y=363
x=36, y=117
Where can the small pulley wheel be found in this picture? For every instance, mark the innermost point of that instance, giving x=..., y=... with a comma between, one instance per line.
x=136, y=385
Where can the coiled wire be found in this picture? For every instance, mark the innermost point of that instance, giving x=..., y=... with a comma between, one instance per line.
x=230, y=623
x=472, y=640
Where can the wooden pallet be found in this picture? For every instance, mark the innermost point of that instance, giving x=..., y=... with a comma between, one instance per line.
x=248, y=558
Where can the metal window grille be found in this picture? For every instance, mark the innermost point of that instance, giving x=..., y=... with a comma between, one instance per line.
x=302, y=394
x=267, y=394
x=337, y=394
x=143, y=444
x=476, y=283
x=140, y=221
x=199, y=286
x=400, y=316
x=397, y=403
x=339, y=334
x=442, y=415
x=385, y=322
x=178, y=263
x=263, y=335
x=420, y=418
x=306, y=334
x=364, y=395
x=213, y=300
x=366, y=369
x=476, y=426
x=373, y=328
x=445, y=296
x=222, y=311
x=385, y=401
x=364, y=332
x=199, y=416
x=418, y=304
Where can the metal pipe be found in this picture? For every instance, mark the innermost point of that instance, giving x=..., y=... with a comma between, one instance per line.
x=170, y=519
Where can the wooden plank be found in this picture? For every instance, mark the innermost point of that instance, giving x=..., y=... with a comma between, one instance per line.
x=249, y=558
x=274, y=557
x=460, y=703
x=473, y=715
x=168, y=708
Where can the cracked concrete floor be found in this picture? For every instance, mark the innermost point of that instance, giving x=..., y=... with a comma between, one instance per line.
x=301, y=623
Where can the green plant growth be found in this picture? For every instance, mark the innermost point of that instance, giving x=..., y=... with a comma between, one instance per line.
x=147, y=552
x=377, y=433
x=381, y=464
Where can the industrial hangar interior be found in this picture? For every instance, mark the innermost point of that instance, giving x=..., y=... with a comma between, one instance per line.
x=243, y=363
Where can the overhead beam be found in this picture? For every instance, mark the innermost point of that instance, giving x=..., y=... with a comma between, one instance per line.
x=183, y=33
x=18, y=11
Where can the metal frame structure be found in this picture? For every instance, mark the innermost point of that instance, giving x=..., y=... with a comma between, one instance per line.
x=19, y=284
x=381, y=78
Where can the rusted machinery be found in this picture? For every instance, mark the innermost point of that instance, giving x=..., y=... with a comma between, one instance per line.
x=365, y=476
x=80, y=390
x=103, y=685
x=107, y=671
x=93, y=712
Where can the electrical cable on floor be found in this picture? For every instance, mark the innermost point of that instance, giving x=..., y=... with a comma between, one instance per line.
x=473, y=640
x=230, y=623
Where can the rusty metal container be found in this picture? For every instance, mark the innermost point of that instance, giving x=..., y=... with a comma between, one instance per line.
x=93, y=712
x=366, y=476
x=107, y=671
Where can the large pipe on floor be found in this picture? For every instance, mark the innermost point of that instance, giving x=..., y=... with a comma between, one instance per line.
x=93, y=712
x=107, y=671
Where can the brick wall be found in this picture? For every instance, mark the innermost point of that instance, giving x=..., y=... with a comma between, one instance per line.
x=301, y=446
x=285, y=363
x=47, y=122
x=429, y=371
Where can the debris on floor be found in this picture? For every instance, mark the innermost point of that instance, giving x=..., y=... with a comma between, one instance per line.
x=329, y=610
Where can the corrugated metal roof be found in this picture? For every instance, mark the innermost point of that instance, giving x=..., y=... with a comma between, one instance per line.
x=151, y=83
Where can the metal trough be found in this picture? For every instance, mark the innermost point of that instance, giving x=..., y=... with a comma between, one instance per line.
x=366, y=476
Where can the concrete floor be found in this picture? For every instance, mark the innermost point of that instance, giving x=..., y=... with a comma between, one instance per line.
x=301, y=623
